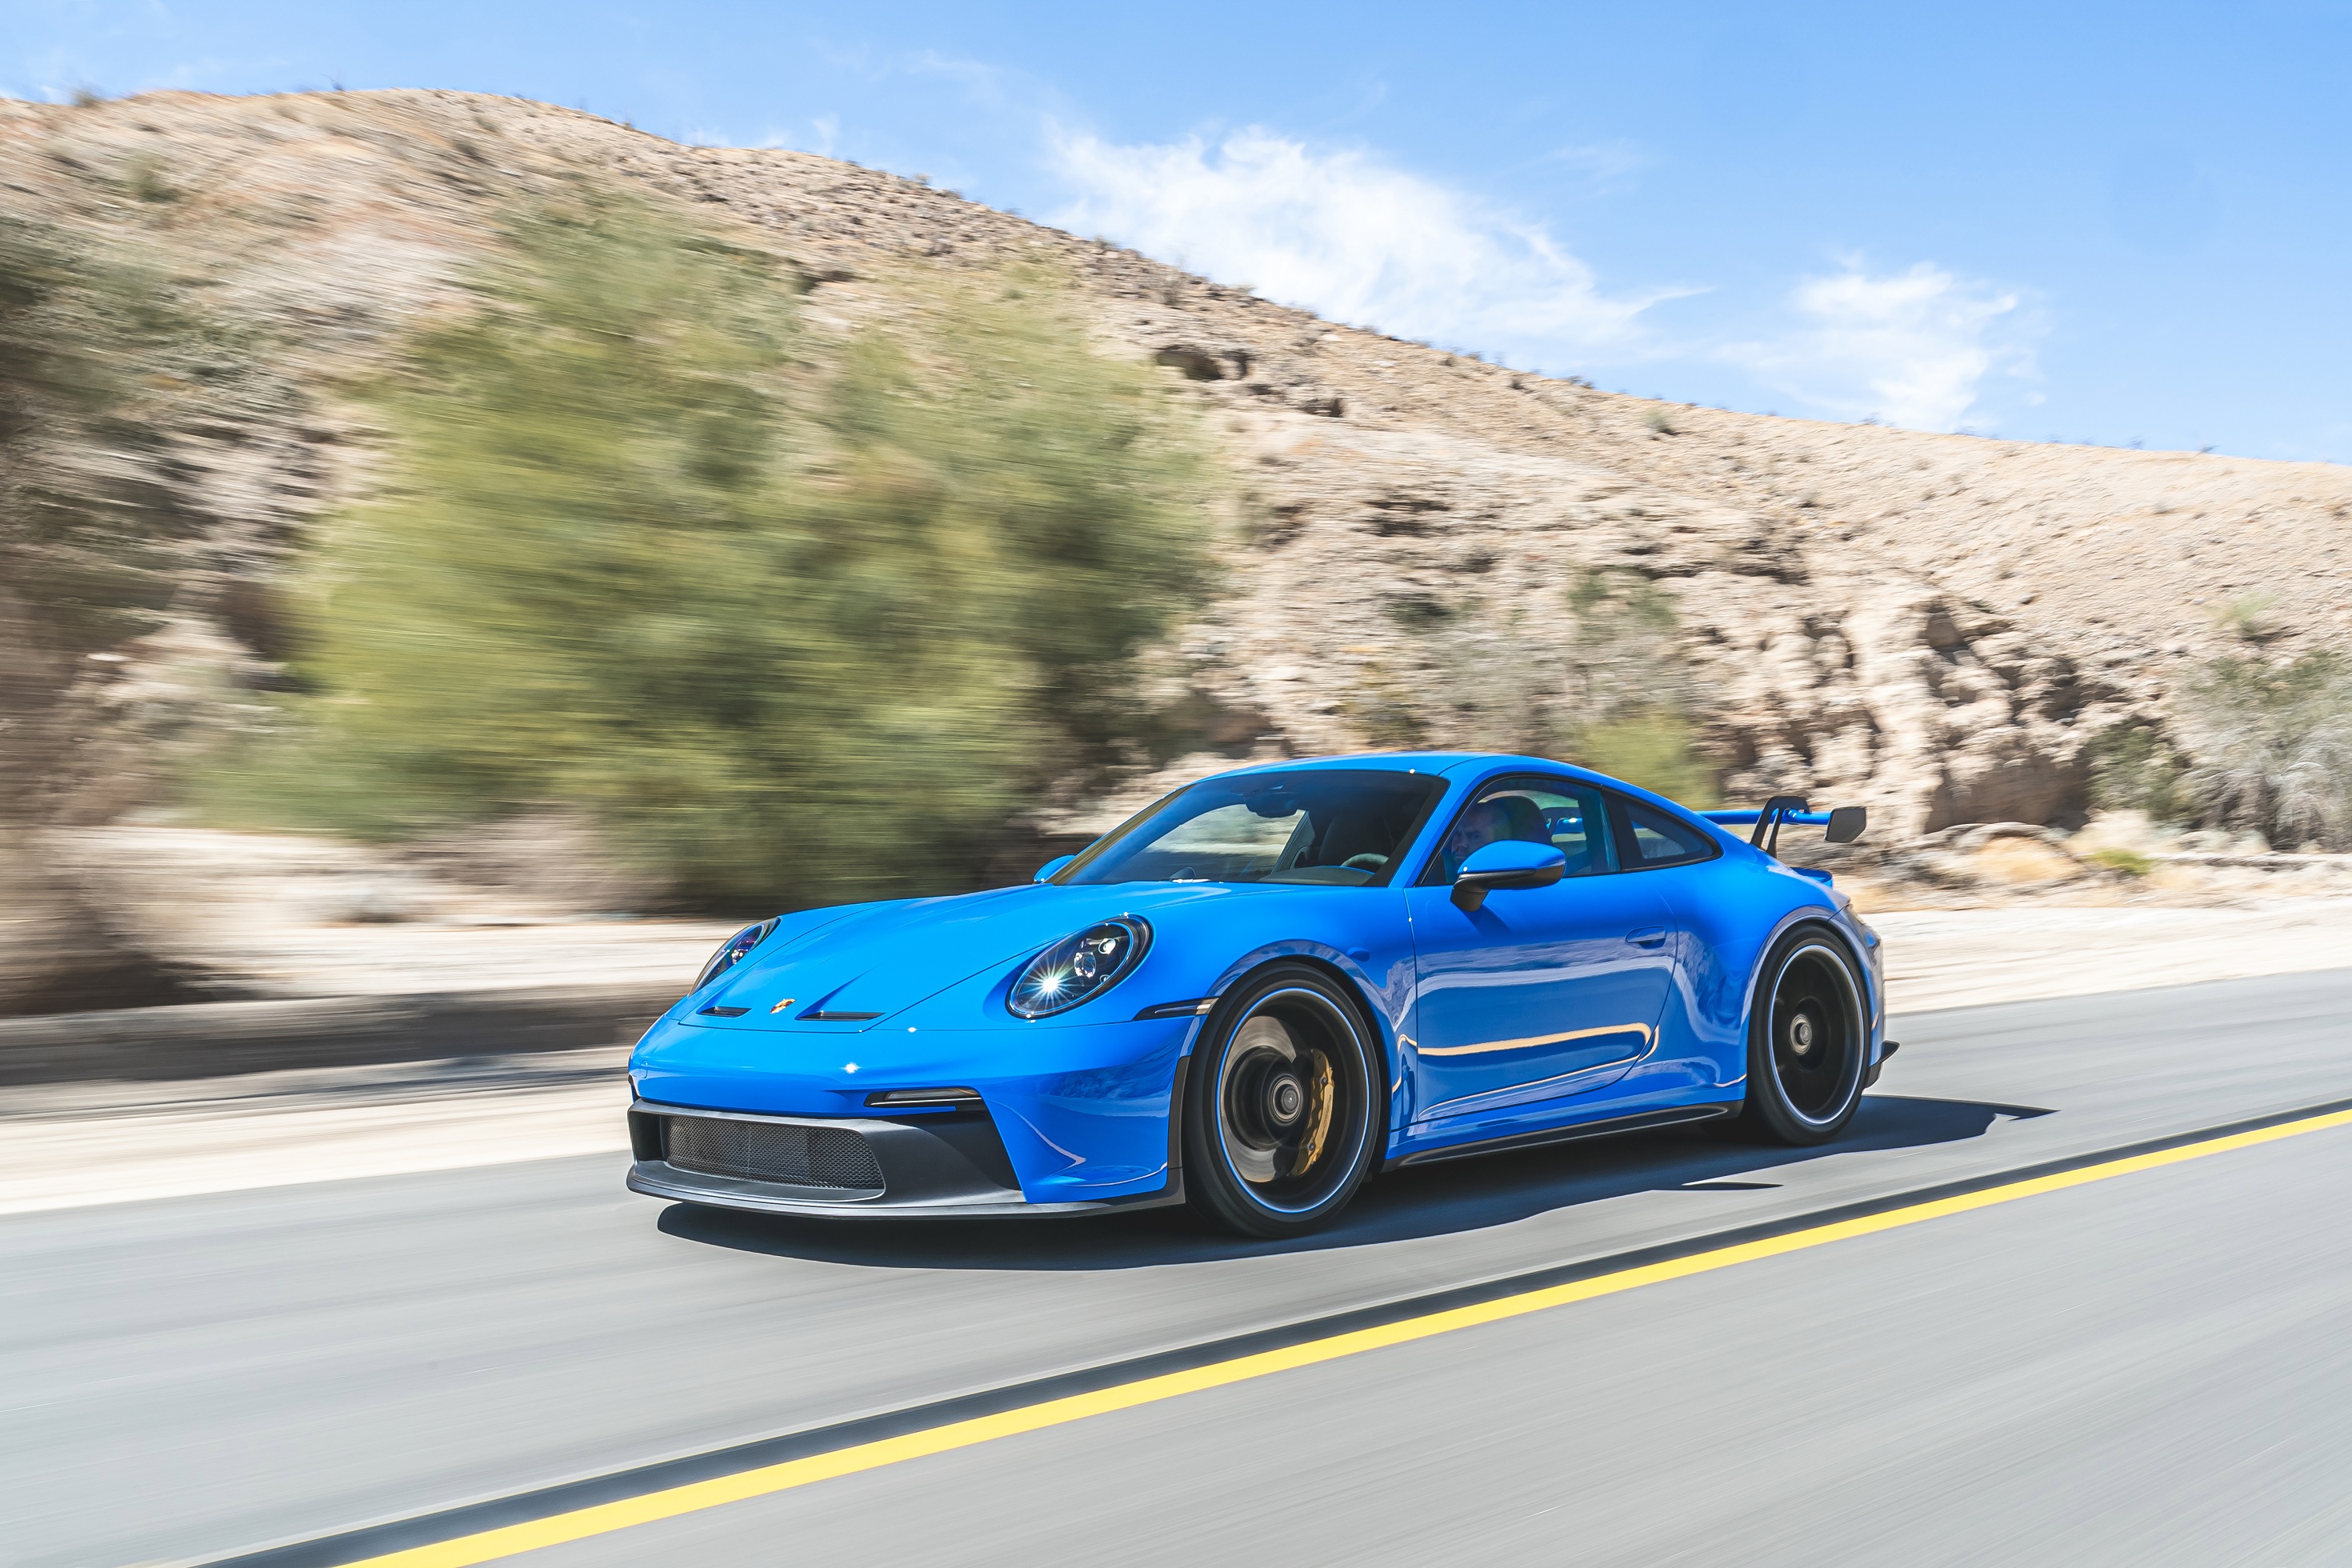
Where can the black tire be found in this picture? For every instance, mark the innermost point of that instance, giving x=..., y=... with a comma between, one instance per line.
x=1806, y=1041
x=1282, y=1104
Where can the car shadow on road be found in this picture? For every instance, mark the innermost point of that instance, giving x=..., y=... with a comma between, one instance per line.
x=1400, y=1206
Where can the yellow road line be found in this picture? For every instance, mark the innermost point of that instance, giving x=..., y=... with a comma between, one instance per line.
x=604, y=1518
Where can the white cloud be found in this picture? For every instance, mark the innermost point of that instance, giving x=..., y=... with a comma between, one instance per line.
x=1913, y=348
x=1342, y=233
x=1606, y=165
x=826, y=129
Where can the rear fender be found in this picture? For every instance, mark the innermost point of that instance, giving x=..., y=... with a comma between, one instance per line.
x=1827, y=924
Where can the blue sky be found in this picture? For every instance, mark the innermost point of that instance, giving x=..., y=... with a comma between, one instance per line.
x=2111, y=224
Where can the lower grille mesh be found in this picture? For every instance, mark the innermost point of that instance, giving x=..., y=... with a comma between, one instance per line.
x=831, y=1157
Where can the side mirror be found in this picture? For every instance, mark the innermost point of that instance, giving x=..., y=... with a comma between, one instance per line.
x=1512, y=863
x=1846, y=824
x=1045, y=872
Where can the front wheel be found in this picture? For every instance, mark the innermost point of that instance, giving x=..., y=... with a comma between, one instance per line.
x=1279, y=1105
x=1806, y=1042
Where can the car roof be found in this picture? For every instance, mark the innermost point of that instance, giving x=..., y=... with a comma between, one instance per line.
x=1445, y=763
x=1457, y=766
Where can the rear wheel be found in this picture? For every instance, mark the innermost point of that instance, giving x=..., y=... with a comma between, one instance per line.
x=1280, y=1105
x=1806, y=1041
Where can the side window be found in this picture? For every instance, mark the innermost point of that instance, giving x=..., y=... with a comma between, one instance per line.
x=1540, y=811
x=1652, y=838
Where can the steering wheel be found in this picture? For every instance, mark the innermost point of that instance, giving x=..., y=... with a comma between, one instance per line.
x=1365, y=862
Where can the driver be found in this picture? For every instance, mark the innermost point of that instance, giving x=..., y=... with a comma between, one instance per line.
x=1483, y=824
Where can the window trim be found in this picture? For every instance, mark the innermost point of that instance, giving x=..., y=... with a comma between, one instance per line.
x=1609, y=840
x=1629, y=848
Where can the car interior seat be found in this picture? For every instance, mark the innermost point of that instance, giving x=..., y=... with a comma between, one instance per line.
x=1523, y=818
x=1527, y=821
x=1358, y=834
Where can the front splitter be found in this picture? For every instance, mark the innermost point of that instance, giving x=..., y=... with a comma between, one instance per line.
x=658, y=1179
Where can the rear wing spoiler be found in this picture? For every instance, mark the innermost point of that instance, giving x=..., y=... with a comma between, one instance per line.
x=1845, y=823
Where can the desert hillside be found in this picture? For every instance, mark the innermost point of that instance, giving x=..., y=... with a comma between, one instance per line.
x=1939, y=626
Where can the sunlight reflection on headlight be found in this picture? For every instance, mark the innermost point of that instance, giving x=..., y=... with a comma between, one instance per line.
x=1079, y=968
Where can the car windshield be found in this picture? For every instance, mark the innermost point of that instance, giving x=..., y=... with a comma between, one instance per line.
x=1329, y=827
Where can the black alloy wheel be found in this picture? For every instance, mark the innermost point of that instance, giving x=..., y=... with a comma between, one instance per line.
x=1806, y=1041
x=1281, y=1103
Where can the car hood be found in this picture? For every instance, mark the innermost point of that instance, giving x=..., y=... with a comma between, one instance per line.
x=881, y=959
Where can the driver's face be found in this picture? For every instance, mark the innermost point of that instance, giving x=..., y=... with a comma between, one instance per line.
x=1480, y=826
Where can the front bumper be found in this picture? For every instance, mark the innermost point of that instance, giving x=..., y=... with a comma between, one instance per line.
x=1082, y=1109
x=933, y=1166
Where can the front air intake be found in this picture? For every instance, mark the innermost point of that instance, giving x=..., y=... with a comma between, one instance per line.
x=833, y=1158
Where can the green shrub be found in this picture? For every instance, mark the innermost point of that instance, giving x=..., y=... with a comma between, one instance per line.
x=89, y=536
x=2248, y=617
x=1658, y=751
x=2133, y=769
x=145, y=178
x=1614, y=695
x=2129, y=862
x=1630, y=695
x=95, y=353
x=785, y=616
x=2271, y=746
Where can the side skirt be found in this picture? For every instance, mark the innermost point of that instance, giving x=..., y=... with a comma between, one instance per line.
x=1603, y=1127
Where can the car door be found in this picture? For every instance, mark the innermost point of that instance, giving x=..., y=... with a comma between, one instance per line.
x=1681, y=862
x=1540, y=993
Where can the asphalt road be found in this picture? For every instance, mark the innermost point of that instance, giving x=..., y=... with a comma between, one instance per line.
x=2145, y=1369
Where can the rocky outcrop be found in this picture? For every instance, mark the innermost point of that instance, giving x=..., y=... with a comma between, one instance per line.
x=1400, y=588
x=1892, y=693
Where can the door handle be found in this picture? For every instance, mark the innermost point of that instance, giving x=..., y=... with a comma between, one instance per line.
x=1650, y=936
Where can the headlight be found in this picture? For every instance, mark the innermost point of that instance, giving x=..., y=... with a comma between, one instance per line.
x=1079, y=968
x=732, y=951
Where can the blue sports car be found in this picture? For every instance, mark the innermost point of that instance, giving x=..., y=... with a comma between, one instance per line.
x=1264, y=987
